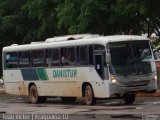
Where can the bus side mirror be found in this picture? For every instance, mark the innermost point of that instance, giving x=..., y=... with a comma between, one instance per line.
x=153, y=46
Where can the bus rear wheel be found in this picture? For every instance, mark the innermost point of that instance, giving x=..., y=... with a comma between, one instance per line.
x=33, y=94
x=68, y=99
x=34, y=97
x=129, y=98
x=89, y=95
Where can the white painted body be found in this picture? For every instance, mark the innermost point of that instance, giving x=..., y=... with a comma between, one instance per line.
x=72, y=87
x=56, y=87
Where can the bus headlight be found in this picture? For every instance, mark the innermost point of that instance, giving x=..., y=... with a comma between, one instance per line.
x=114, y=81
x=155, y=77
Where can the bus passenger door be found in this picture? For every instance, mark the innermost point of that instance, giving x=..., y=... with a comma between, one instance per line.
x=99, y=64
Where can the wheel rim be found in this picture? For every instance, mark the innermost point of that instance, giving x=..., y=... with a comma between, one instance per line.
x=33, y=95
x=88, y=95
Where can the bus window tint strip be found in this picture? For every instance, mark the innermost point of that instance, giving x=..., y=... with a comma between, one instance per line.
x=29, y=74
x=34, y=74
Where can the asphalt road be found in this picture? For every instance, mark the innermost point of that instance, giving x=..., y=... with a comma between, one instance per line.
x=144, y=108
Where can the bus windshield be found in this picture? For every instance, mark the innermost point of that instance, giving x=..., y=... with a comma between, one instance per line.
x=131, y=58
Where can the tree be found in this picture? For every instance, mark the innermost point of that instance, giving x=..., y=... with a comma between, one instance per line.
x=43, y=16
x=152, y=17
x=9, y=10
x=109, y=17
x=23, y=21
x=83, y=16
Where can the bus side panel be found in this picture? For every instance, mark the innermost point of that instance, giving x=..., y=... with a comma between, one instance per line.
x=59, y=85
x=14, y=83
x=98, y=85
x=71, y=86
x=56, y=86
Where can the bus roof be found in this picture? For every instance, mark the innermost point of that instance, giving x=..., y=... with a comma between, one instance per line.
x=78, y=40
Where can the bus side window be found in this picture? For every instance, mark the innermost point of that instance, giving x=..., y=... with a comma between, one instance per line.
x=20, y=57
x=64, y=56
x=38, y=58
x=24, y=59
x=83, y=55
x=77, y=56
x=71, y=56
x=48, y=54
x=91, y=55
x=11, y=60
x=55, y=54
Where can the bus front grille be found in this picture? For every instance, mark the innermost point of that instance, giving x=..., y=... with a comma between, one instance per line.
x=137, y=83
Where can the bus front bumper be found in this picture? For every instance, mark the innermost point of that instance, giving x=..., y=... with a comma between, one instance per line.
x=120, y=90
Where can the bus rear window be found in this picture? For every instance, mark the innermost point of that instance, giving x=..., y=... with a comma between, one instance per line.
x=11, y=60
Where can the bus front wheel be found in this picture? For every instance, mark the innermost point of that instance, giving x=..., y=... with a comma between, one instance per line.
x=89, y=95
x=129, y=98
x=33, y=94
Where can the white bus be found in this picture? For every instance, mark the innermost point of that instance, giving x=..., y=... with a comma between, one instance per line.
x=88, y=66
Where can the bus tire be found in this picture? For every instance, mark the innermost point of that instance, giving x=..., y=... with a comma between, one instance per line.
x=129, y=98
x=33, y=94
x=89, y=96
x=68, y=99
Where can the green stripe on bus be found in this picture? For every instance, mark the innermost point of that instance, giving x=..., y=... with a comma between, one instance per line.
x=42, y=74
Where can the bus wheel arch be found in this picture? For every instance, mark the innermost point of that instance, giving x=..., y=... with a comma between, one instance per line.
x=29, y=86
x=34, y=95
x=88, y=93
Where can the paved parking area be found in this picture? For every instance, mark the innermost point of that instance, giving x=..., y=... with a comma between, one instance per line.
x=143, y=108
